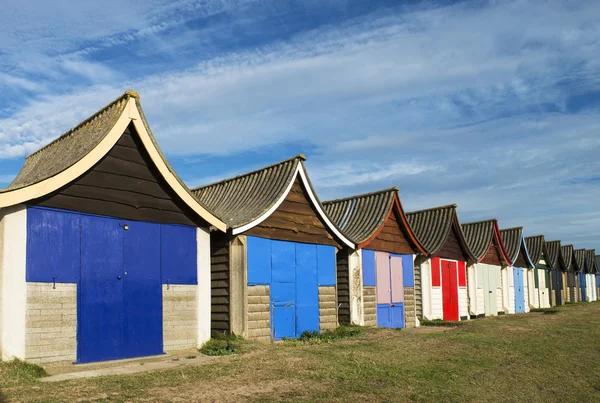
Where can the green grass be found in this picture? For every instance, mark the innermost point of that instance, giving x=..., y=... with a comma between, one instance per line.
x=327, y=336
x=547, y=311
x=18, y=372
x=440, y=323
x=529, y=357
x=221, y=344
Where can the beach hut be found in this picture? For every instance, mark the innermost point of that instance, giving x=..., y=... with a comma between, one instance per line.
x=539, y=277
x=515, y=278
x=104, y=251
x=597, y=267
x=484, y=274
x=440, y=275
x=590, y=262
x=578, y=278
x=557, y=266
x=274, y=271
x=569, y=264
x=375, y=281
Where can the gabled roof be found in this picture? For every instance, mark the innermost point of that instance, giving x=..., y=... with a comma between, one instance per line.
x=554, y=253
x=590, y=260
x=597, y=261
x=514, y=242
x=480, y=234
x=432, y=227
x=579, y=259
x=246, y=200
x=363, y=216
x=536, y=246
x=79, y=149
x=567, y=256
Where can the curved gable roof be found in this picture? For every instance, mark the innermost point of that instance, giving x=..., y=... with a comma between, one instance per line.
x=432, y=227
x=514, y=242
x=362, y=217
x=579, y=259
x=478, y=236
x=566, y=252
x=554, y=253
x=79, y=149
x=590, y=260
x=536, y=246
x=246, y=200
x=597, y=263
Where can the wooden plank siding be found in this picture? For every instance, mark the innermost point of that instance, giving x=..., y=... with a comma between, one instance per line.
x=451, y=248
x=391, y=239
x=295, y=220
x=123, y=184
x=521, y=260
x=220, y=284
x=343, y=286
x=491, y=256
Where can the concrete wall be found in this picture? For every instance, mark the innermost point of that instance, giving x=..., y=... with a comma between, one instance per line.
x=13, y=294
x=203, y=289
x=369, y=306
x=357, y=314
x=410, y=315
x=463, y=303
x=259, y=313
x=180, y=319
x=51, y=323
x=328, y=319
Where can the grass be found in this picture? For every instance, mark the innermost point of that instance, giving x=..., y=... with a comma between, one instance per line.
x=221, y=344
x=17, y=372
x=327, y=336
x=547, y=311
x=525, y=357
x=441, y=323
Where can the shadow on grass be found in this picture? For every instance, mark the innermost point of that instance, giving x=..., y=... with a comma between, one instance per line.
x=440, y=323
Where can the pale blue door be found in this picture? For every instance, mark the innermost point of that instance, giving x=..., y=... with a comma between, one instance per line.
x=519, y=290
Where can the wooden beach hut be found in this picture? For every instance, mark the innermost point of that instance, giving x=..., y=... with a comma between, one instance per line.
x=569, y=264
x=274, y=271
x=539, y=277
x=597, y=267
x=590, y=262
x=375, y=281
x=578, y=278
x=103, y=249
x=515, y=278
x=484, y=274
x=441, y=275
x=557, y=266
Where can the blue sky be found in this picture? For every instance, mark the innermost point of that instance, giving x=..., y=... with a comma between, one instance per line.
x=490, y=105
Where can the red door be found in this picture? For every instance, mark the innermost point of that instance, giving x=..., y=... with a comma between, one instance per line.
x=450, y=290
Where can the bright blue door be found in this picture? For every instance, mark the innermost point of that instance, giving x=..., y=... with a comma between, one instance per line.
x=100, y=311
x=307, y=289
x=583, y=286
x=283, y=289
x=519, y=290
x=142, y=290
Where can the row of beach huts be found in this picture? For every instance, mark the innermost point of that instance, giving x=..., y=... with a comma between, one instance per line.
x=106, y=254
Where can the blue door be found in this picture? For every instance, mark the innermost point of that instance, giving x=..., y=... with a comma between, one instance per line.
x=142, y=290
x=583, y=287
x=294, y=271
x=390, y=280
x=519, y=290
x=100, y=313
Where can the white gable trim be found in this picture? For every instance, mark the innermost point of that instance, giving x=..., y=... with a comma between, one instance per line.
x=299, y=172
x=130, y=113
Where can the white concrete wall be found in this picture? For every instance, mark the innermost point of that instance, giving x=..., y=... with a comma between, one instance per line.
x=544, y=293
x=13, y=295
x=534, y=293
x=328, y=319
x=426, y=290
x=437, y=304
x=526, y=289
x=180, y=317
x=204, y=285
x=355, y=278
x=472, y=284
x=508, y=289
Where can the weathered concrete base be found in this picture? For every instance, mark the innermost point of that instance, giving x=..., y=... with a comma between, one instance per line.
x=410, y=314
x=370, y=306
x=180, y=320
x=259, y=313
x=328, y=319
x=51, y=322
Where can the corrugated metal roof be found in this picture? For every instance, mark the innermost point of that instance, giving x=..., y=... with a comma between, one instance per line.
x=536, y=246
x=478, y=236
x=244, y=198
x=590, y=260
x=579, y=259
x=511, y=237
x=360, y=216
x=566, y=252
x=70, y=147
x=554, y=253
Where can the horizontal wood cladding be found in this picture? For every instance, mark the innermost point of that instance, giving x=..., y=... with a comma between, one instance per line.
x=521, y=260
x=391, y=238
x=491, y=256
x=123, y=184
x=219, y=285
x=451, y=249
x=295, y=220
x=343, y=286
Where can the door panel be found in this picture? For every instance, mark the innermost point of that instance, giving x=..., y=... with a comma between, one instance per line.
x=519, y=290
x=283, y=321
x=142, y=305
x=307, y=289
x=583, y=287
x=397, y=281
x=450, y=290
x=397, y=316
x=384, y=315
x=382, y=271
x=100, y=310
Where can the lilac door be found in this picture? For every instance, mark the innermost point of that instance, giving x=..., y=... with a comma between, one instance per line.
x=389, y=290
